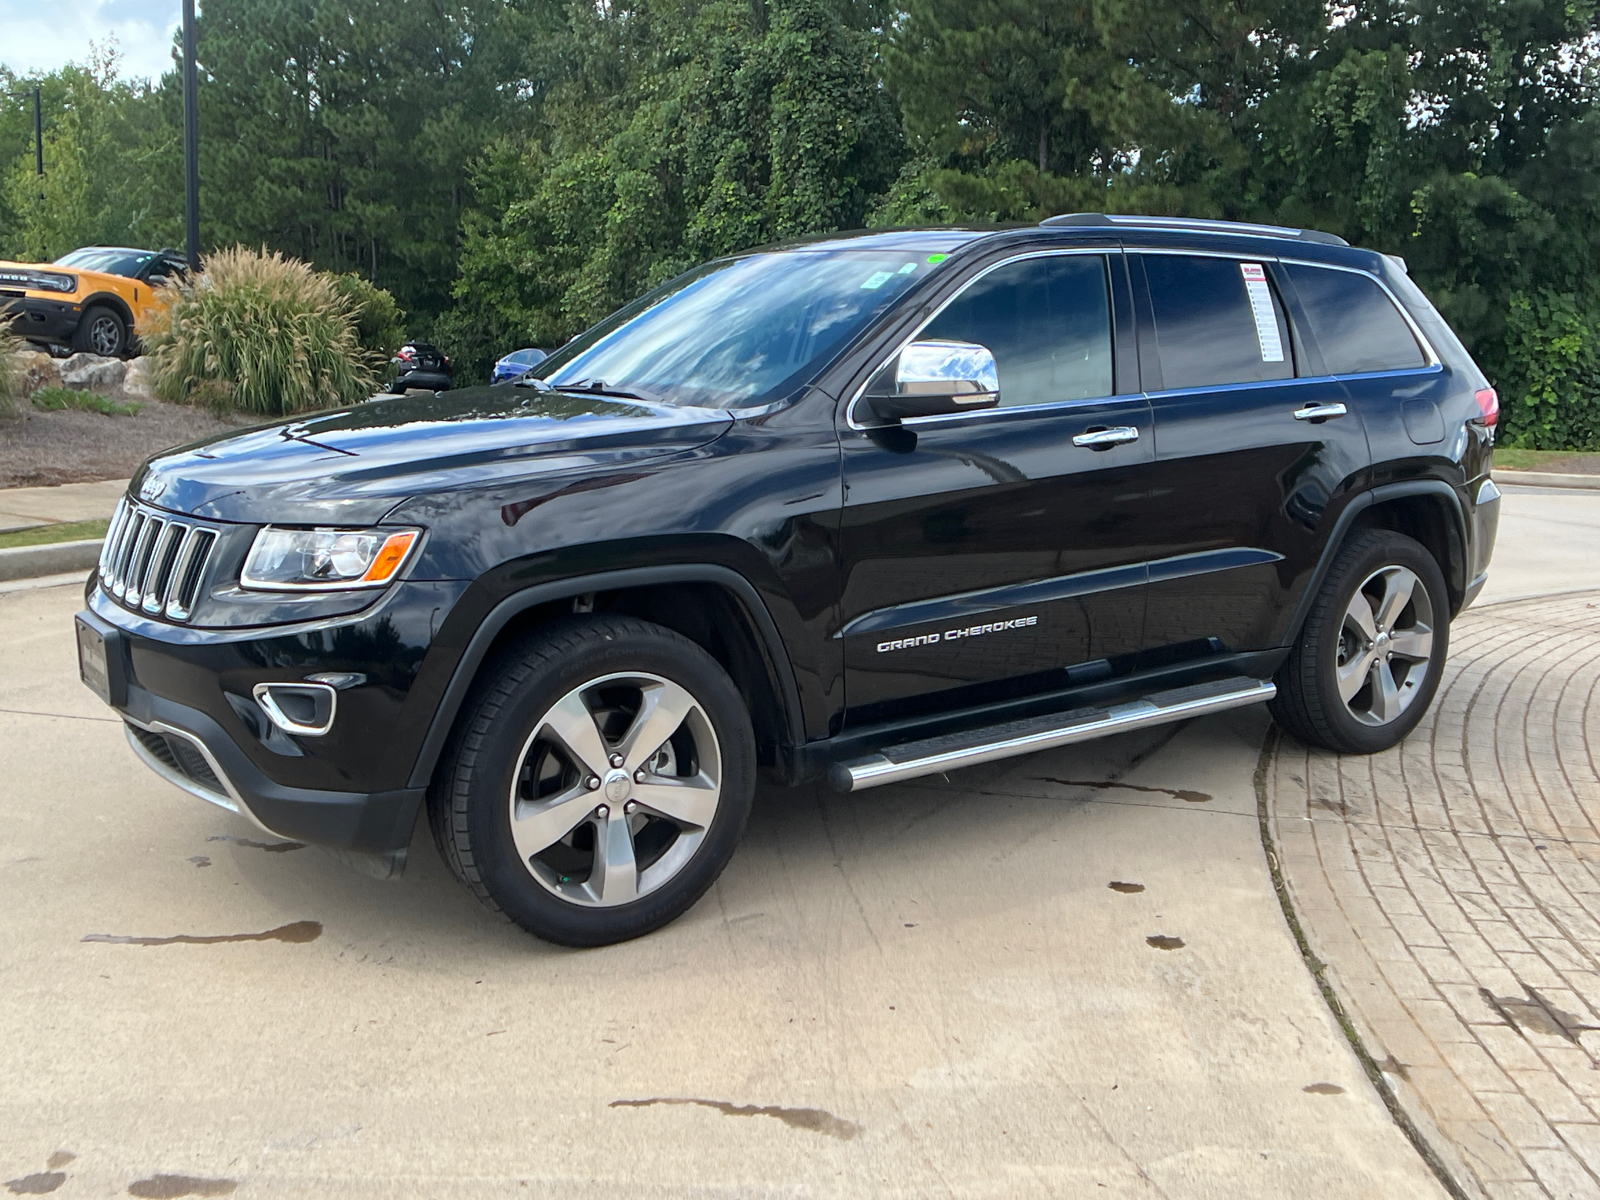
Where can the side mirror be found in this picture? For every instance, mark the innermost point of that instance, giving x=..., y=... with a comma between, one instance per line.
x=935, y=378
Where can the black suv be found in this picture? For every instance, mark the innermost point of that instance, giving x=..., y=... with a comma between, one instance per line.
x=865, y=507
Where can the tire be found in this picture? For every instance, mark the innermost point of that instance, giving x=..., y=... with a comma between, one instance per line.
x=1368, y=660
x=101, y=331
x=532, y=811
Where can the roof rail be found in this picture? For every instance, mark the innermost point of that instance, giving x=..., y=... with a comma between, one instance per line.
x=1195, y=225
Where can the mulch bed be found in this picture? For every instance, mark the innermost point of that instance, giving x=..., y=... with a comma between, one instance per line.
x=39, y=449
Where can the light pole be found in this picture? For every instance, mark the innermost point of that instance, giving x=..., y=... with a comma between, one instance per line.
x=191, y=140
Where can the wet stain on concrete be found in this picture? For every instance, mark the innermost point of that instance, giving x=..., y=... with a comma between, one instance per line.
x=297, y=933
x=1536, y=1014
x=170, y=1187
x=1113, y=785
x=269, y=847
x=60, y=1159
x=1127, y=889
x=1323, y=1089
x=201, y=860
x=41, y=1184
x=1161, y=941
x=816, y=1120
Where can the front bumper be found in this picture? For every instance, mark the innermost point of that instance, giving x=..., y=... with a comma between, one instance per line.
x=40, y=320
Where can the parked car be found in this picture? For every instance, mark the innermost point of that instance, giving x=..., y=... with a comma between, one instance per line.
x=865, y=509
x=90, y=300
x=420, y=365
x=516, y=364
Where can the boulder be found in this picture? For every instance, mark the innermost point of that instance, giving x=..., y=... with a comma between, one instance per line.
x=92, y=373
x=39, y=370
x=137, y=383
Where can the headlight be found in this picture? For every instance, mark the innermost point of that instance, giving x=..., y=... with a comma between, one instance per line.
x=325, y=560
x=54, y=283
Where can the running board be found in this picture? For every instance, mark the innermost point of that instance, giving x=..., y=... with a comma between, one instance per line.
x=932, y=755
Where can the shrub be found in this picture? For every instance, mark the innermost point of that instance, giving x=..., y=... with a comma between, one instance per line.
x=13, y=377
x=266, y=330
x=380, y=322
x=59, y=399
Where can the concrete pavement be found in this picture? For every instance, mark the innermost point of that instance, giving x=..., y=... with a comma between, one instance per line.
x=1065, y=975
x=27, y=508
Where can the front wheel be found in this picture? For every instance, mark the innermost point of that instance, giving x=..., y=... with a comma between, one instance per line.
x=1367, y=663
x=600, y=783
x=101, y=332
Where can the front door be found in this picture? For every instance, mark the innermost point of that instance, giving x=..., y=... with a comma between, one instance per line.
x=1255, y=445
x=993, y=551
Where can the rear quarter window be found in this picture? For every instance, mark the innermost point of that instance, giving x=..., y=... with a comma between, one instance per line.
x=1356, y=325
x=1212, y=326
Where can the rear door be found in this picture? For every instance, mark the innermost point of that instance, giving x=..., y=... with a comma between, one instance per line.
x=1254, y=442
x=1004, y=547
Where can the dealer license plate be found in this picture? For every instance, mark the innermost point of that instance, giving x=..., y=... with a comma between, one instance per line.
x=92, y=663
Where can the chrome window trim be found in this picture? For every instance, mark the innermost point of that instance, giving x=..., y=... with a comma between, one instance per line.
x=914, y=422
x=1293, y=381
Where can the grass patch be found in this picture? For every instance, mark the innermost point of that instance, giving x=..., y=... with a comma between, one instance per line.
x=43, y=535
x=1531, y=460
x=60, y=399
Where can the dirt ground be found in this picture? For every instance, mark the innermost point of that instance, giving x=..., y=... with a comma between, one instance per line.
x=45, y=448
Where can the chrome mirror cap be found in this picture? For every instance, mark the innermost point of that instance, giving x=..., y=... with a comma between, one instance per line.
x=933, y=378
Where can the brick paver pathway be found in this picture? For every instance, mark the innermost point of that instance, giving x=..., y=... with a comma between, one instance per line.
x=1452, y=887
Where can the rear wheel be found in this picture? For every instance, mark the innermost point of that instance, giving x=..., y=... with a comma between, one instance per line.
x=101, y=331
x=1368, y=661
x=601, y=782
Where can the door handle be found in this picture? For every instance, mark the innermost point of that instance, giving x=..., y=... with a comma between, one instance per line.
x=1104, y=439
x=1319, y=412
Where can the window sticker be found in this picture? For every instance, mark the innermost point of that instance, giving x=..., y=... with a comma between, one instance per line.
x=877, y=279
x=908, y=268
x=935, y=259
x=1255, y=282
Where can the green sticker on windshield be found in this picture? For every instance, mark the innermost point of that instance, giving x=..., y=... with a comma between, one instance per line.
x=877, y=279
x=935, y=259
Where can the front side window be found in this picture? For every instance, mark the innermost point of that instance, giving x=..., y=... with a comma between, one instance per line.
x=1218, y=321
x=1047, y=321
x=1357, y=327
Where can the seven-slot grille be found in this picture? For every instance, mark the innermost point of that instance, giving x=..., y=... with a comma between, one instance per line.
x=154, y=563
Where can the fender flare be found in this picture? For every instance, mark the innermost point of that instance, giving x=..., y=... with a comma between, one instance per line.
x=1359, y=504
x=501, y=615
x=117, y=305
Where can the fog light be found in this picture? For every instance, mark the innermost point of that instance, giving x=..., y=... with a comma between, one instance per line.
x=303, y=709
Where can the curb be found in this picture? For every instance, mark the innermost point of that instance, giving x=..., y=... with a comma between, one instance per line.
x=54, y=558
x=1547, y=479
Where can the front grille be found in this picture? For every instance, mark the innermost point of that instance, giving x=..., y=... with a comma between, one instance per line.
x=154, y=563
x=179, y=755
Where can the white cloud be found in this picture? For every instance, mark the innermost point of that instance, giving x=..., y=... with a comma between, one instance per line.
x=45, y=34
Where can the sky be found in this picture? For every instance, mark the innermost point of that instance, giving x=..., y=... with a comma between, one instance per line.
x=45, y=34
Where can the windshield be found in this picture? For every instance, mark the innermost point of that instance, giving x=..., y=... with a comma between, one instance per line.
x=110, y=260
x=739, y=332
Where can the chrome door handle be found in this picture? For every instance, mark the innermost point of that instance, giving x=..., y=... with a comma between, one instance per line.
x=1319, y=412
x=1104, y=439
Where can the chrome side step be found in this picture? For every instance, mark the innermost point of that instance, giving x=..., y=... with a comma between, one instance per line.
x=932, y=755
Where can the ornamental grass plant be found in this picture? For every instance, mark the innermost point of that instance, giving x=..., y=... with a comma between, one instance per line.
x=266, y=331
x=13, y=376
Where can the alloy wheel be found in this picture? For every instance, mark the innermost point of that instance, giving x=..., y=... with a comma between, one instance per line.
x=105, y=335
x=615, y=788
x=1385, y=645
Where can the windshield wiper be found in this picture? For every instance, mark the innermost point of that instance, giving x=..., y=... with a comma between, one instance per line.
x=589, y=387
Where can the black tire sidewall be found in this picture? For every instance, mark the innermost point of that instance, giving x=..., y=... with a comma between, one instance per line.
x=511, y=885
x=1372, y=552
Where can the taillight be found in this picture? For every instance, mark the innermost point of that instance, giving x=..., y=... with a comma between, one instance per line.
x=1488, y=406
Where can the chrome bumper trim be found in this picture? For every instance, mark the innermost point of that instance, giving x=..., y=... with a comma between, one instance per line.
x=232, y=801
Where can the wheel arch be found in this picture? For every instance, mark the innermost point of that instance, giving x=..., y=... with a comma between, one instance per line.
x=713, y=606
x=117, y=305
x=1427, y=510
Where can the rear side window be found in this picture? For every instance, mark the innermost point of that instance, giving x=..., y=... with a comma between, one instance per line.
x=1217, y=321
x=1047, y=321
x=1356, y=325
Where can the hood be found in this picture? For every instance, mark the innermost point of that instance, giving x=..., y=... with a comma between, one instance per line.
x=353, y=465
